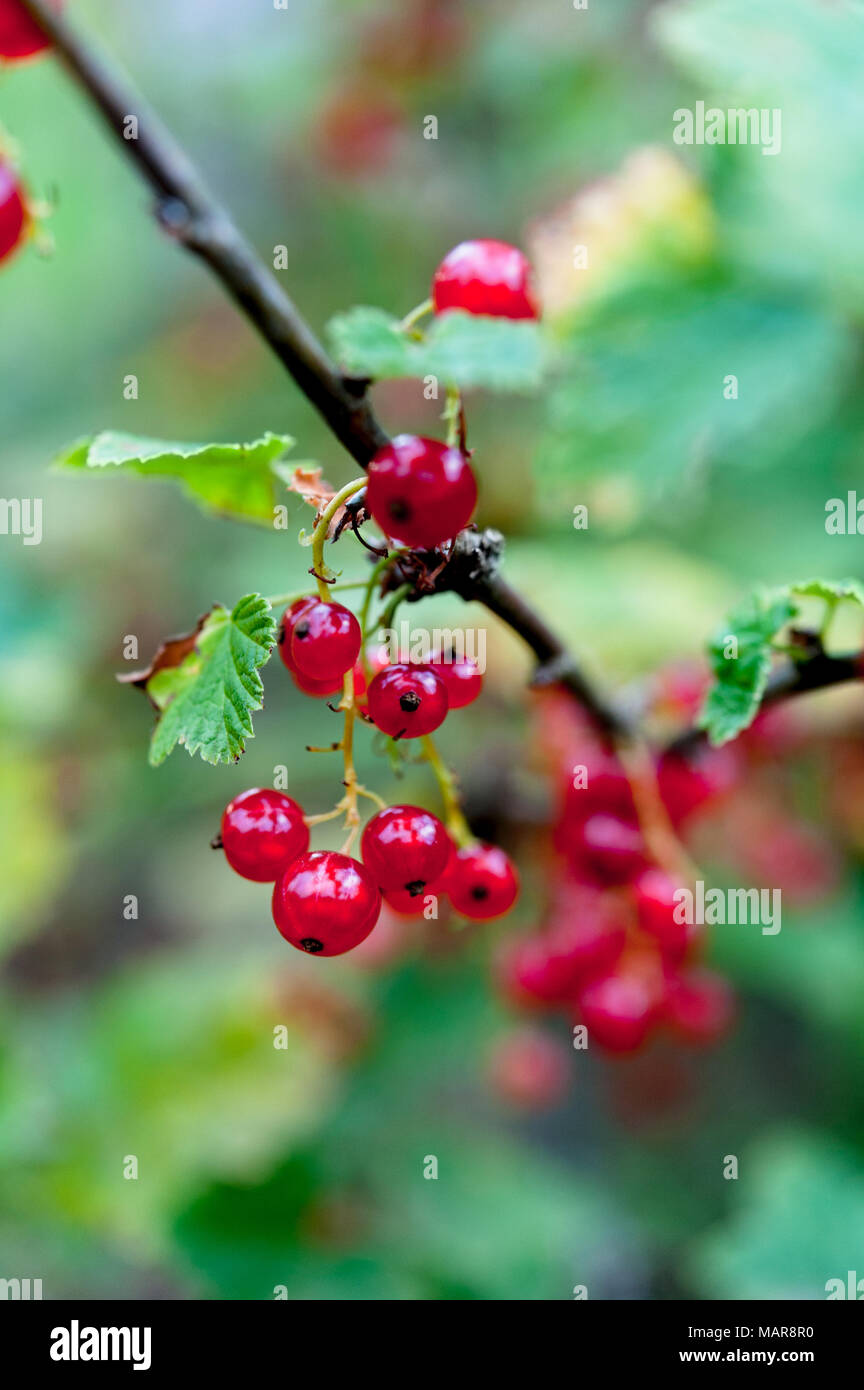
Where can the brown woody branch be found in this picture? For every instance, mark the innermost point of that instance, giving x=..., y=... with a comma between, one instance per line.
x=189, y=213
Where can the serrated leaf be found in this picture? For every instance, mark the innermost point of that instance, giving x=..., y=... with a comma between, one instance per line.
x=206, y=701
x=732, y=702
x=465, y=350
x=831, y=590
x=239, y=480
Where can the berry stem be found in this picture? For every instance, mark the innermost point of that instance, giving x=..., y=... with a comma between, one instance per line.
x=454, y=817
x=371, y=585
x=452, y=416
x=322, y=530
x=285, y=600
x=412, y=319
x=654, y=822
x=388, y=614
x=324, y=816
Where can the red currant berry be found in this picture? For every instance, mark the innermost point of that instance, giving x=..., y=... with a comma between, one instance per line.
x=618, y=1011
x=290, y=618
x=485, y=277
x=316, y=688
x=420, y=491
x=612, y=849
x=597, y=782
x=405, y=849
x=325, y=641
x=325, y=903
x=482, y=882
x=687, y=784
x=657, y=904
x=262, y=832
x=20, y=36
x=463, y=680
x=13, y=213
x=699, y=1006
x=407, y=701
x=403, y=902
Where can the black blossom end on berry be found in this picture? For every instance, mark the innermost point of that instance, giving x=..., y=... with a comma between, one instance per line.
x=415, y=888
x=312, y=945
x=410, y=701
x=479, y=893
x=399, y=510
x=301, y=630
x=216, y=842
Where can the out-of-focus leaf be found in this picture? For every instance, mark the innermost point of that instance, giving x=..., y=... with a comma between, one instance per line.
x=461, y=349
x=207, y=701
x=831, y=590
x=740, y=674
x=797, y=1222
x=647, y=389
x=794, y=213
x=239, y=480
x=37, y=852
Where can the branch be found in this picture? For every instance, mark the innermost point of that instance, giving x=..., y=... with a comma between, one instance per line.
x=473, y=573
x=818, y=672
x=188, y=212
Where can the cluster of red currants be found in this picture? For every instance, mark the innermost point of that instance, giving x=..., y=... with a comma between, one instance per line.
x=320, y=641
x=326, y=903
x=617, y=950
x=421, y=493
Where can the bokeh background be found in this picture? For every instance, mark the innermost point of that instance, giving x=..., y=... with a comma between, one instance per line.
x=153, y=1037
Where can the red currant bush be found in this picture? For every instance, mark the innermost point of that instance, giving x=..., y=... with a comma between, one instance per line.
x=262, y=832
x=20, y=36
x=485, y=277
x=421, y=492
x=13, y=213
x=325, y=641
x=405, y=849
x=407, y=701
x=325, y=903
x=482, y=882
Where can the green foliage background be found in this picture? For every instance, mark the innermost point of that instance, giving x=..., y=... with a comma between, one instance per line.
x=153, y=1037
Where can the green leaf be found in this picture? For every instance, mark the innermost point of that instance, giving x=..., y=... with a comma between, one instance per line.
x=784, y=56
x=731, y=704
x=465, y=350
x=831, y=590
x=238, y=480
x=797, y=1222
x=206, y=701
x=642, y=395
